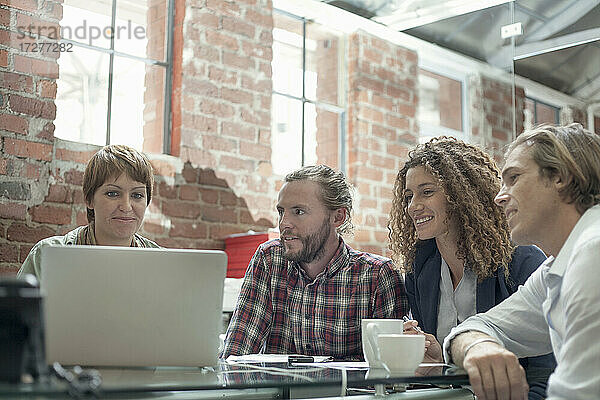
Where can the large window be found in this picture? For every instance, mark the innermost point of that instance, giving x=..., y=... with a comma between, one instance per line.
x=537, y=112
x=442, y=103
x=114, y=82
x=308, y=114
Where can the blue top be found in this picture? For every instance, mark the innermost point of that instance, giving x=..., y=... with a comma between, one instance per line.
x=423, y=290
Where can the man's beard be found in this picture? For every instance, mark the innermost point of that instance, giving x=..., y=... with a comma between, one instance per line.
x=313, y=246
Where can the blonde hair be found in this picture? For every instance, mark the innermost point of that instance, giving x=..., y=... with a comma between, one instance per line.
x=570, y=152
x=110, y=162
x=336, y=191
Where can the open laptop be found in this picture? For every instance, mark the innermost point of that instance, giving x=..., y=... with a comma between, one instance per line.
x=124, y=306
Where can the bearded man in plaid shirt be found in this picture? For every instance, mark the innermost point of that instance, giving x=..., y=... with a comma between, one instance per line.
x=306, y=292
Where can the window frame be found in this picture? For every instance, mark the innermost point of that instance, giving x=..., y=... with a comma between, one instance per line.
x=536, y=102
x=167, y=64
x=428, y=131
x=341, y=111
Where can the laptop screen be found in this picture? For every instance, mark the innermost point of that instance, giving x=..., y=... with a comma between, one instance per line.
x=123, y=306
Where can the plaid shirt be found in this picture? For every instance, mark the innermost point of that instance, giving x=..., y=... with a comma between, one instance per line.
x=281, y=310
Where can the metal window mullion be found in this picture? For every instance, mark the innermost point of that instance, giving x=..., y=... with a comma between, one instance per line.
x=513, y=89
x=287, y=14
x=326, y=106
x=535, y=104
x=288, y=96
x=464, y=103
x=329, y=107
x=342, y=141
x=319, y=104
x=145, y=60
x=303, y=85
x=167, y=114
x=110, y=69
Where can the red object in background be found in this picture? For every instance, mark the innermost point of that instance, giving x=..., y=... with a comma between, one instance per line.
x=240, y=248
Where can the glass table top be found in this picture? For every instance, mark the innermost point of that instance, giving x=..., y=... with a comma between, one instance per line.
x=234, y=376
x=274, y=378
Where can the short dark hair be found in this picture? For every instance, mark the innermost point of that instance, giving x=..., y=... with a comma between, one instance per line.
x=110, y=162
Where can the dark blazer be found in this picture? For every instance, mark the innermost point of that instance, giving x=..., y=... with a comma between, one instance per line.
x=423, y=290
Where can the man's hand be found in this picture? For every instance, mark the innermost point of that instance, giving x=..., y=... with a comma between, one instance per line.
x=494, y=372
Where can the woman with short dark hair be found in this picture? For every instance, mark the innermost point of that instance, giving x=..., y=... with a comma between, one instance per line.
x=117, y=188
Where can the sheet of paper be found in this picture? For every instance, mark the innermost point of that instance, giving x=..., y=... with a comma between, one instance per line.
x=272, y=358
x=340, y=364
x=426, y=365
x=319, y=361
x=362, y=364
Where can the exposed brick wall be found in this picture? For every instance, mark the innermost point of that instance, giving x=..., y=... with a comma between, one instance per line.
x=191, y=207
x=222, y=123
x=580, y=116
x=571, y=114
x=27, y=111
x=179, y=19
x=381, y=128
x=155, y=78
x=226, y=96
x=328, y=138
x=328, y=85
x=491, y=113
x=220, y=179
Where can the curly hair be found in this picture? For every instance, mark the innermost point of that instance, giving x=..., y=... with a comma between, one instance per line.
x=470, y=180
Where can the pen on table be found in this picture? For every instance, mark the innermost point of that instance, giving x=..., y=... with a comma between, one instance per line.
x=416, y=328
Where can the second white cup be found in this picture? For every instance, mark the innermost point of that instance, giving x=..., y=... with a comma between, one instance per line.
x=370, y=329
x=401, y=354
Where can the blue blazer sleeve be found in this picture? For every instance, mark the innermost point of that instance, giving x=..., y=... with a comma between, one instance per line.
x=422, y=285
x=525, y=260
x=409, y=282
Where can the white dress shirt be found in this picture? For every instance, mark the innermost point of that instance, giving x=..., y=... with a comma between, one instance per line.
x=558, y=309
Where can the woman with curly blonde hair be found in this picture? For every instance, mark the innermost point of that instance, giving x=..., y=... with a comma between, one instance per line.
x=452, y=240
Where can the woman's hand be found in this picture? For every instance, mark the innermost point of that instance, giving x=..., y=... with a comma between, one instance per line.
x=433, y=350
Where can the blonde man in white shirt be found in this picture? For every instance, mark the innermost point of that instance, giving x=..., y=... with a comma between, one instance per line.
x=551, y=197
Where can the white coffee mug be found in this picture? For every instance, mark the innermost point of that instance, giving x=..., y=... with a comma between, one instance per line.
x=401, y=354
x=370, y=329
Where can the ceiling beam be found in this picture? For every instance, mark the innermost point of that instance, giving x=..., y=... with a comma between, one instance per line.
x=570, y=14
x=588, y=90
x=493, y=33
x=504, y=57
x=447, y=38
x=401, y=21
x=524, y=15
x=530, y=12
